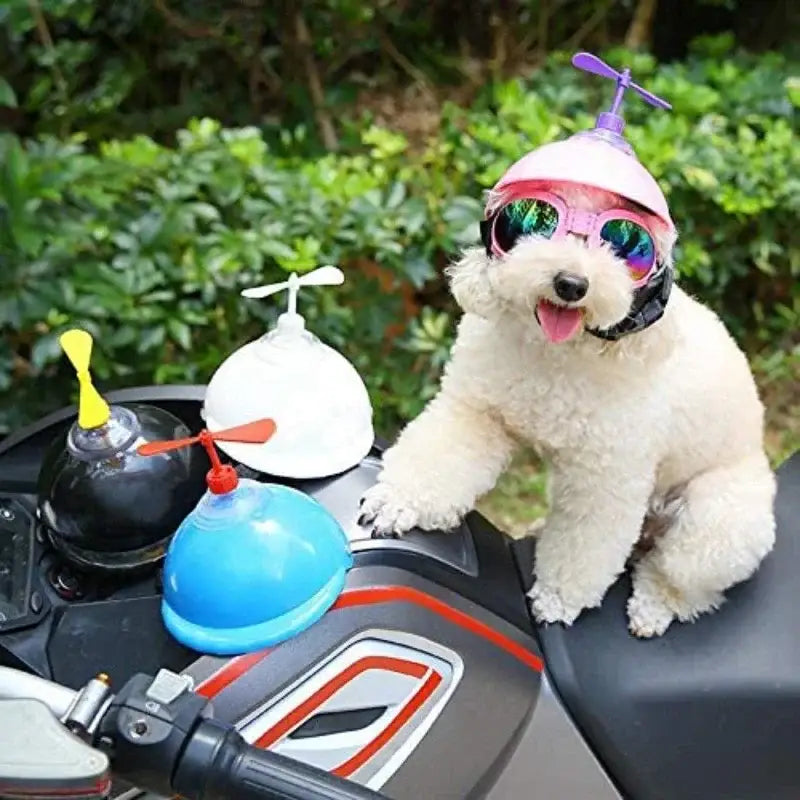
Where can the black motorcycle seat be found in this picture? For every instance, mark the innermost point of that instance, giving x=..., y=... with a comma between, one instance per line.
x=709, y=711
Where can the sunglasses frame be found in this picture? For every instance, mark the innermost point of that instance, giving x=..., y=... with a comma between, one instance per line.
x=576, y=221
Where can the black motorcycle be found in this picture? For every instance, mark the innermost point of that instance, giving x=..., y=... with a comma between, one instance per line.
x=427, y=678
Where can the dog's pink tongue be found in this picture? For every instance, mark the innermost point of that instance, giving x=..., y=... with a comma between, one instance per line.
x=558, y=323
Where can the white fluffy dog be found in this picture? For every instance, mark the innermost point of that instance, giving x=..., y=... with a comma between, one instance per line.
x=661, y=430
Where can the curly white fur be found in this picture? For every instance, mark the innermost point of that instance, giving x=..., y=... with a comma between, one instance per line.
x=666, y=421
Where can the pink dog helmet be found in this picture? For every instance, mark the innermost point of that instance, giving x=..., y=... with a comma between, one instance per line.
x=603, y=159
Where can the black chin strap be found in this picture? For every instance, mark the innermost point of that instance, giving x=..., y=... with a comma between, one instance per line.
x=486, y=235
x=648, y=306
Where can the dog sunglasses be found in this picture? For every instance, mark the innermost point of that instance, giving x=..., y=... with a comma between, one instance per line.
x=547, y=216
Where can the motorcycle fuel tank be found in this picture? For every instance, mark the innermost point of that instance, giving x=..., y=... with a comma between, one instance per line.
x=427, y=658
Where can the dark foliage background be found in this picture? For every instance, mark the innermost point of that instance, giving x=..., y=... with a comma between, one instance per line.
x=160, y=155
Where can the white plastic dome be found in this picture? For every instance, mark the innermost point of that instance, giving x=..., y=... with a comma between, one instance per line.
x=316, y=397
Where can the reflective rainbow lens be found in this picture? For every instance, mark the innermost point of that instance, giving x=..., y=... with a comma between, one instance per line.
x=632, y=243
x=524, y=217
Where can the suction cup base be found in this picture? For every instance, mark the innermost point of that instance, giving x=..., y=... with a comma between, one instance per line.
x=250, y=638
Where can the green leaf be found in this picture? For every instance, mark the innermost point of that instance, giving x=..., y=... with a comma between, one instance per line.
x=419, y=269
x=152, y=339
x=180, y=332
x=699, y=177
x=463, y=215
x=45, y=350
x=397, y=193
x=204, y=211
x=277, y=250
x=792, y=85
x=7, y=95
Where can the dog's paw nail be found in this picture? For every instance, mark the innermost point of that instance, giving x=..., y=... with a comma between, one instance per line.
x=379, y=534
x=362, y=520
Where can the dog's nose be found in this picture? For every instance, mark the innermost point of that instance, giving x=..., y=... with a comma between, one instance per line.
x=570, y=287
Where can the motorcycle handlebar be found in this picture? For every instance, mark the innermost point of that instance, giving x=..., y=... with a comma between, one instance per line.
x=195, y=756
x=218, y=764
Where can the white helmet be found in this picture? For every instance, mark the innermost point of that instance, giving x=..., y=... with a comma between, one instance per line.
x=318, y=401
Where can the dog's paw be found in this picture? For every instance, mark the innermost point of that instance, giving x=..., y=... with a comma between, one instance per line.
x=392, y=512
x=548, y=606
x=648, y=616
x=388, y=512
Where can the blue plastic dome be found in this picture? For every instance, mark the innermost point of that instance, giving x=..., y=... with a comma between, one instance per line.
x=251, y=568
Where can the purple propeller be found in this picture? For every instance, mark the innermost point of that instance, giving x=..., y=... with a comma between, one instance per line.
x=611, y=120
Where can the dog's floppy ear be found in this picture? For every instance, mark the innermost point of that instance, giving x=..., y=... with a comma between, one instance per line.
x=486, y=235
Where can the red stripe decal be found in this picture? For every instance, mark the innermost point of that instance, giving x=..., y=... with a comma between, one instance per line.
x=397, y=594
x=298, y=715
x=365, y=754
x=238, y=666
x=232, y=670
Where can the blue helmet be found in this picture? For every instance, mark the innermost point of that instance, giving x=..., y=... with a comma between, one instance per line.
x=252, y=567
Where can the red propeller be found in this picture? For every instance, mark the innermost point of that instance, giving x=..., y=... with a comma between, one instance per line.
x=257, y=432
x=221, y=478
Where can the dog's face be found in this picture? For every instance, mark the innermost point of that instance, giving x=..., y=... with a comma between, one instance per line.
x=559, y=286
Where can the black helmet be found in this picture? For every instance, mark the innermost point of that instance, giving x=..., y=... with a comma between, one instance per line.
x=105, y=507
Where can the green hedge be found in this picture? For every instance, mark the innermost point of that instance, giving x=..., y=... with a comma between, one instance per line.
x=148, y=246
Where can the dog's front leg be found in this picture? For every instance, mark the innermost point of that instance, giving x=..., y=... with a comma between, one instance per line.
x=442, y=462
x=595, y=519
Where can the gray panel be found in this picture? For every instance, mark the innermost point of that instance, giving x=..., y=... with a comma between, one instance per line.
x=493, y=703
x=369, y=690
x=552, y=762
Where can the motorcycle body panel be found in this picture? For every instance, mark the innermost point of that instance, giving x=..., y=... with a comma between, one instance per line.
x=421, y=681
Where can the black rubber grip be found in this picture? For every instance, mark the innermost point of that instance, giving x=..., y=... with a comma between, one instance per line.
x=219, y=765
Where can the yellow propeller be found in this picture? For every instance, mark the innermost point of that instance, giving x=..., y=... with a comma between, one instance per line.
x=93, y=411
